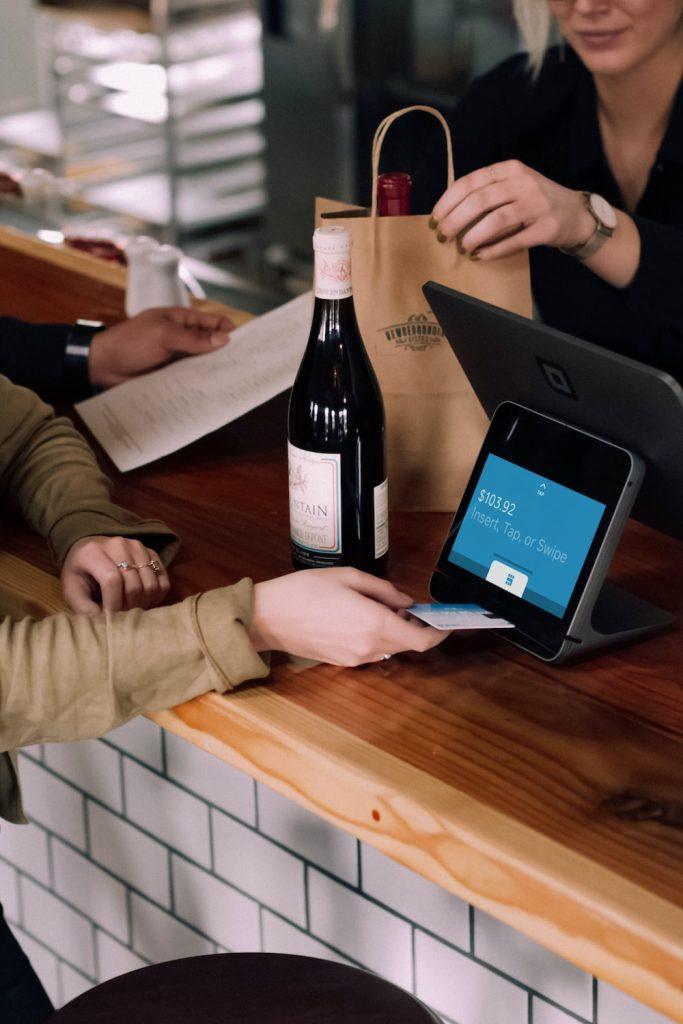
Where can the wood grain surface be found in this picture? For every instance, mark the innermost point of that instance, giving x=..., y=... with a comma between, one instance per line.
x=550, y=797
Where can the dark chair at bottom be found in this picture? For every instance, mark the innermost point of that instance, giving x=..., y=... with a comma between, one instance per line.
x=246, y=988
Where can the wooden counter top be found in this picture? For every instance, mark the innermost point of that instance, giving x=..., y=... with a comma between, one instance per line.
x=494, y=775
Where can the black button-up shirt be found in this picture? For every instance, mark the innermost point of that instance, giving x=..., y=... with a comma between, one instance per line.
x=551, y=125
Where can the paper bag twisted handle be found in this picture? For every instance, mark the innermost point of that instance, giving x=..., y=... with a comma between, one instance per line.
x=380, y=136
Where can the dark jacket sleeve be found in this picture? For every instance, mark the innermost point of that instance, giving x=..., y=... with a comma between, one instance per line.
x=654, y=295
x=32, y=355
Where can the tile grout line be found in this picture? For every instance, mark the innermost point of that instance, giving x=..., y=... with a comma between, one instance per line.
x=122, y=784
x=171, y=884
x=261, y=932
x=307, y=898
x=60, y=981
x=413, y=962
x=48, y=949
x=257, y=808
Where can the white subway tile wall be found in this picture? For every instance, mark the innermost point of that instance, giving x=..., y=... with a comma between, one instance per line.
x=158, y=936
x=114, y=959
x=90, y=889
x=423, y=902
x=56, y=925
x=464, y=990
x=143, y=848
x=258, y=867
x=214, y=908
x=308, y=835
x=72, y=983
x=615, y=1007
x=141, y=739
x=9, y=891
x=27, y=846
x=94, y=767
x=45, y=964
x=130, y=854
x=175, y=817
x=211, y=778
x=544, y=1013
x=281, y=937
x=357, y=927
x=538, y=968
x=57, y=805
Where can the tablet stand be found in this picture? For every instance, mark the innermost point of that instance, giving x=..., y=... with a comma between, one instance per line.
x=606, y=615
x=617, y=617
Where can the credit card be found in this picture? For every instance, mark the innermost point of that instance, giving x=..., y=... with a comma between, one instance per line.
x=458, y=616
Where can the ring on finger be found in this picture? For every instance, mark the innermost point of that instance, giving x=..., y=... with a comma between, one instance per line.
x=153, y=564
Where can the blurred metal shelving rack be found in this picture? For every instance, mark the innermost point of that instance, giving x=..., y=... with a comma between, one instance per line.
x=161, y=112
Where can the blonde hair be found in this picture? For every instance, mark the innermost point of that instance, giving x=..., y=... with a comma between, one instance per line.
x=535, y=22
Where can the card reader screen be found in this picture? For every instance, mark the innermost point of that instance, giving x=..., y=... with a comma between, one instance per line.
x=526, y=534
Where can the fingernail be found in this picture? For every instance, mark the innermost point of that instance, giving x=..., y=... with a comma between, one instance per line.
x=218, y=340
x=433, y=223
x=441, y=237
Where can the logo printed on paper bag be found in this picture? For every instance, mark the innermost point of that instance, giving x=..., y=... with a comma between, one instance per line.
x=417, y=333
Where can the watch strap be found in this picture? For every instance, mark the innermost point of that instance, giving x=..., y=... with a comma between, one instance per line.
x=596, y=241
x=77, y=355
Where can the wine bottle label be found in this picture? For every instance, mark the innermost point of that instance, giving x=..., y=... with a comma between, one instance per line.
x=333, y=275
x=315, y=500
x=381, y=519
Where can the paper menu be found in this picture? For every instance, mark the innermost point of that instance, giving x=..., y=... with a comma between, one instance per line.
x=160, y=412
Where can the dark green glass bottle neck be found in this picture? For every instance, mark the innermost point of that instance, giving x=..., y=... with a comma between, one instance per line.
x=334, y=317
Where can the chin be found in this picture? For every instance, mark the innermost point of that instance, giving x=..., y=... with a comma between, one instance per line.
x=614, y=61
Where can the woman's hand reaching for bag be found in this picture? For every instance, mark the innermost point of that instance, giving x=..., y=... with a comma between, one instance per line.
x=506, y=207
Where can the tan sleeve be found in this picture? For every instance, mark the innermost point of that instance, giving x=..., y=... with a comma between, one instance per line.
x=52, y=475
x=69, y=677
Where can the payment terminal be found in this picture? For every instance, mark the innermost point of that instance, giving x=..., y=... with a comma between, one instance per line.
x=548, y=497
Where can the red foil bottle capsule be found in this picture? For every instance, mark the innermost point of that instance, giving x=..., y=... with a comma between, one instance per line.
x=393, y=194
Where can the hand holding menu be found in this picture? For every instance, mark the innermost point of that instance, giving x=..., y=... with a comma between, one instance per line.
x=162, y=411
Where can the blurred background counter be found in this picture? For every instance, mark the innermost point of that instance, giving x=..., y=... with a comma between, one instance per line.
x=213, y=124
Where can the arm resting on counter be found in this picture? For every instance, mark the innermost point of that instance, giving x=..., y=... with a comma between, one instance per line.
x=52, y=475
x=75, y=677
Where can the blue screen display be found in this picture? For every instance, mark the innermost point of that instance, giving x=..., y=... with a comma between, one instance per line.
x=526, y=534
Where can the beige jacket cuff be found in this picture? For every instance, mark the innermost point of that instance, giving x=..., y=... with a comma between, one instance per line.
x=225, y=644
x=110, y=521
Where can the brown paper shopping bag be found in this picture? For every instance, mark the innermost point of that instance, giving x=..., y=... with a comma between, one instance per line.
x=435, y=424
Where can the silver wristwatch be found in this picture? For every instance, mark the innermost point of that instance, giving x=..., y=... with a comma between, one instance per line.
x=605, y=222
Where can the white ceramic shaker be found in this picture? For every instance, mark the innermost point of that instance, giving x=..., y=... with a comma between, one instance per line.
x=166, y=288
x=140, y=274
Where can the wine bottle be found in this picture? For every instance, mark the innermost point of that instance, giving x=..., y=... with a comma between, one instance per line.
x=337, y=479
x=393, y=194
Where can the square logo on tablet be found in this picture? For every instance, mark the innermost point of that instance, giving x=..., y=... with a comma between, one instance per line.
x=557, y=378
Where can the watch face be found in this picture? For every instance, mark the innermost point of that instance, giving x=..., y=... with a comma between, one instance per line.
x=603, y=211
